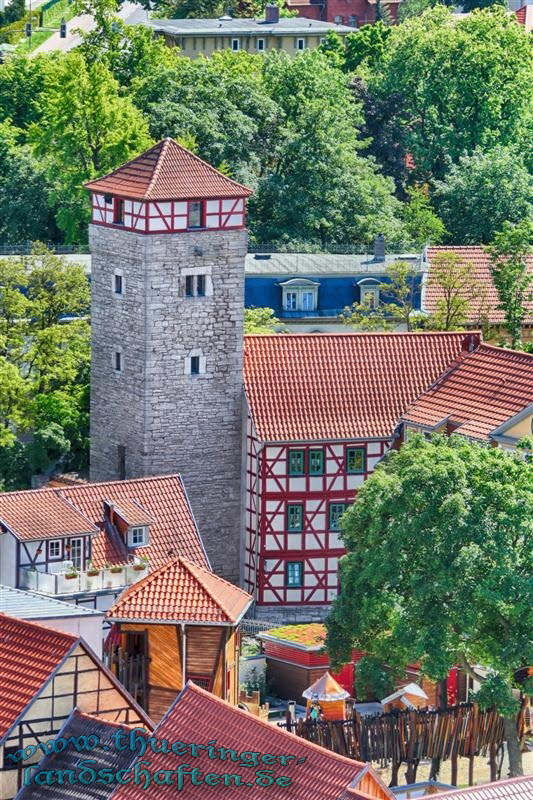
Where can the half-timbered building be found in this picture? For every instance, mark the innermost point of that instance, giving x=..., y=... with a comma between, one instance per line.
x=323, y=409
x=86, y=543
x=45, y=674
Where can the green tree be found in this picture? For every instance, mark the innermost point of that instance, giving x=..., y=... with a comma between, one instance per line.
x=456, y=287
x=86, y=128
x=481, y=192
x=22, y=80
x=510, y=256
x=438, y=566
x=317, y=186
x=399, y=291
x=458, y=84
x=372, y=680
x=367, y=45
x=260, y=320
x=471, y=5
x=422, y=226
x=47, y=448
x=12, y=401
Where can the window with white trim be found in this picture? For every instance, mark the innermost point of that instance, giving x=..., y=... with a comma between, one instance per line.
x=300, y=44
x=235, y=45
x=260, y=45
x=300, y=294
x=55, y=548
x=195, y=285
x=369, y=292
x=118, y=283
x=195, y=364
x=138, y=536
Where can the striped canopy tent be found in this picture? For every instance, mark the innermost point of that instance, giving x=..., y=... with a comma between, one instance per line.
x=329, y=695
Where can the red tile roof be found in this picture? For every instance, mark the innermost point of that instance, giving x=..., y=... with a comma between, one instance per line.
x=29, y=654
x=484, y=390
x=198, y=716
x=315, y=387
x=41, y=514
x=511, y=789
x=130, y=511
x=172, y=533
x=182, y=592
x=63, y=511
x=168, y=172
x=487, y=302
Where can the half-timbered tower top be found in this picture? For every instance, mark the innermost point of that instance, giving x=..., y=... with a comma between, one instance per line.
x=167, y=189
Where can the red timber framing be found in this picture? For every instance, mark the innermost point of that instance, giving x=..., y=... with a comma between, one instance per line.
x=292, y=553
x=170, y=216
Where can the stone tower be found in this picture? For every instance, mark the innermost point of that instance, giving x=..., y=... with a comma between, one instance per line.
x=168, y=244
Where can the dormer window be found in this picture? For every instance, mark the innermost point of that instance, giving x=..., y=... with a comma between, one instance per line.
x=195, y=214
x=138, y=536
x=369, y=292
x=300, y=294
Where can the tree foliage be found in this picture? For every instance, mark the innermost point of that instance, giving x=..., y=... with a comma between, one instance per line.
x=481, y=192
x=260, y=320
x=510, y=255
x=397, y=305
x=44, y=365
x=421, y=224
x=457, y=288
x=439, y=562
x=458, y=84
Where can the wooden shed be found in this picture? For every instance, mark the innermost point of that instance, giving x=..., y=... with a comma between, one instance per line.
x=179, y=623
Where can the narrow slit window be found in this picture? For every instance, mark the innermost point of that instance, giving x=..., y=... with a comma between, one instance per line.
x=118, y=362
x=189, y=285
x=118, y=284
x=200, y=285
x=195, y=365
x=119, y=212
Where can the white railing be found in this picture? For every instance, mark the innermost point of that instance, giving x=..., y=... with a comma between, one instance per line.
x=72, y=582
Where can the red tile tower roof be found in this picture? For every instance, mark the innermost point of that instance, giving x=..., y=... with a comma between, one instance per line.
x=315, y=387
x=182, y=592
x=63, y=511
x=168, y=171
x=29, y=654
x=198, y=716
x=487, y=302
x=484, y=390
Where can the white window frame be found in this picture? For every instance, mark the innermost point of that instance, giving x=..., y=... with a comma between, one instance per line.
x=202, y=364
x=235, y=42
x=131, y=536
x=80, y=540
x=301, y=41
x=263, y=47
x=367, y=286
x=301, y=288
x=59, y=552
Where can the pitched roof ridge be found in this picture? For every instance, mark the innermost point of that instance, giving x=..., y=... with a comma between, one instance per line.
x=481, y=787
x=29, y=623
x=199, y=577
x=91, y=485
x=132, y=590
x=361, y=334
x=159, y=164
x=191, y=686
x=205, y=163
x=68, y=502
x=123, y=166
x=504, y=351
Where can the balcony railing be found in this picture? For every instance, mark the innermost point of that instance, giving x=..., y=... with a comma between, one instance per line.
x=72, y=583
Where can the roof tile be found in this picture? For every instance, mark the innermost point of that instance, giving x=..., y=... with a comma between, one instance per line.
x=481, y=392
x=323, y=774
x=168, y=171
x=315, y=387
x=29, y=654
x=41, y=514
x=487, y=302
x=182, y=592
x=511, y=789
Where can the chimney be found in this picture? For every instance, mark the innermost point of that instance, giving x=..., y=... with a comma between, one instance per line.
x=271, y=13
x=379, y=248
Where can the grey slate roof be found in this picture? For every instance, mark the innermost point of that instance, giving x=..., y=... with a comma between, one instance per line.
x=321, y=263
x=30, y=605
x=79, y=724
x=245, y=27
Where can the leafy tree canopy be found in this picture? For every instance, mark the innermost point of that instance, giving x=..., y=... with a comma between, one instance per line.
x=439, y=562
x=481, y=192
x=458, y=84
x=260, y=320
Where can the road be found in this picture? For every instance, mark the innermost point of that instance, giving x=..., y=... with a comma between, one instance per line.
x=131, y=13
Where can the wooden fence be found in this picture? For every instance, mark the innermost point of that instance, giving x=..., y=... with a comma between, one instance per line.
x=412, y=736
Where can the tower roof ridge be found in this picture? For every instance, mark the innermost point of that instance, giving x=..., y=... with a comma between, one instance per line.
x=168, y=171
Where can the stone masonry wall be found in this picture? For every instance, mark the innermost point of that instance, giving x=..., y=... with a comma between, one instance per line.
x=167, y=420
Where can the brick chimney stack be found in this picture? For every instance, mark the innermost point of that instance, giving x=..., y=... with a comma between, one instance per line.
x=271, y=13
x=379, y=247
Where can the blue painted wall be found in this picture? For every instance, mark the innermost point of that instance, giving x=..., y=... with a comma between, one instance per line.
x=334, y=293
